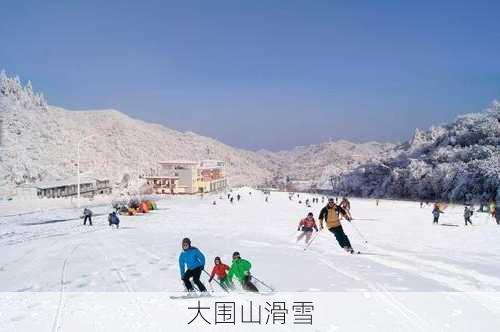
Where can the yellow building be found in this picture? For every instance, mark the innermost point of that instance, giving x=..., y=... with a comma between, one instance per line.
x=190, y=177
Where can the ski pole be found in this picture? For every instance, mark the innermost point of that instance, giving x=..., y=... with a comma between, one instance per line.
x=272, y=290
x=310, y=242
x=357, y=230
x=218, y=283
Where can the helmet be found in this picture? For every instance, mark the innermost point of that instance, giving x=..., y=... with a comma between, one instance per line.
x=236, y=254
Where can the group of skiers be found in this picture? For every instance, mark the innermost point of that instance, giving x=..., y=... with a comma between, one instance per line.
x=331, y=215
x=231, y=198
x=192, y=264
x=468, y=213
x=112, y=218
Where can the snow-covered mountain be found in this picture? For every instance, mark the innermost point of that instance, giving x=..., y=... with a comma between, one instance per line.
x=319, y=162
x=38, y=142
x=459, y=161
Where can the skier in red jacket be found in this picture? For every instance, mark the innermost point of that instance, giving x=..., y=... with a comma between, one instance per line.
x=306, y=225
x=220, y=270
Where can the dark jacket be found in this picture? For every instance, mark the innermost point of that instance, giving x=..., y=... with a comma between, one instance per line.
x=113, y=219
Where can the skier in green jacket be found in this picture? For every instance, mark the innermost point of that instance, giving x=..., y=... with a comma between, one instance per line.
x=240, y=268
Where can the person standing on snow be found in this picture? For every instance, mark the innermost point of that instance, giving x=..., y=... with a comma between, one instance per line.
x=467, y=214
x=87, y=215
x=238, y=197
x=240, y=268
x=220, y=270
x=231, y=199
x=193, y=259
x=435, y=213
x=331, y=214
x=307, y=225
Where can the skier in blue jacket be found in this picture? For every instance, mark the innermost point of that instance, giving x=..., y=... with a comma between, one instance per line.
x=193, y=259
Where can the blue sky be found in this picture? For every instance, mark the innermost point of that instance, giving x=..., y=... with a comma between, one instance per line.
x=262, y=74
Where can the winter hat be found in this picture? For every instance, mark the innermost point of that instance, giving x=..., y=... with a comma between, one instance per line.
x=217, y=259
x=236, y=254
x=310, y=214
x=187, y=241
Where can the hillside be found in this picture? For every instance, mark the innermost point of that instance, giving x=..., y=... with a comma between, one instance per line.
x=319, y=162
x=459, y=161
x=39, y=142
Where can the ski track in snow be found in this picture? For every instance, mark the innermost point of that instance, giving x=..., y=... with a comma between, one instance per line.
x=413, y=322
x=124, y=282
x=60, y=306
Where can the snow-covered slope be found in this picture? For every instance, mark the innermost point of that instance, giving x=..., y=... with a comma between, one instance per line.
x=413, y=275
x=459, y=161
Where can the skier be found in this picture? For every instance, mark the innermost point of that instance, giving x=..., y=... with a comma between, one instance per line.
x=220, y=270
x=193, y=259
x=231, y=199
x=468, y=212
x=113, y=219
x=306, y=225
x=331, y=214
x=240, y=268
x=421, y=204
x=267, y=199
x=228, y=196
x=87, y=215
x=436, y=212
x=214, y=203
x=238, y=197
x=346, y=205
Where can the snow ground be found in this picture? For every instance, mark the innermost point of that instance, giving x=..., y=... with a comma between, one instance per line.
x=48, y=253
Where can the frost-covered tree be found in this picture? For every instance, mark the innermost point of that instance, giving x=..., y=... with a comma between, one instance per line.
x=456, y=162
x=12, y=88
